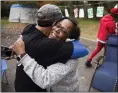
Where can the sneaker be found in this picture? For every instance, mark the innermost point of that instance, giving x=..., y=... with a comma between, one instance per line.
x=88, y=64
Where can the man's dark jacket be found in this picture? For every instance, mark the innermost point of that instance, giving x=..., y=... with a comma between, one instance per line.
x=45, y=51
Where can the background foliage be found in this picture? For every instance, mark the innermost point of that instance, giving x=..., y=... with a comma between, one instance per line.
x=70, y=5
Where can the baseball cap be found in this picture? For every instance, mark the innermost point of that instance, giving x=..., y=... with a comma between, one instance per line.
x=48, y=14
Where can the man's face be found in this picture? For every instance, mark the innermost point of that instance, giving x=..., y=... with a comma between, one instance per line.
x=61, y=30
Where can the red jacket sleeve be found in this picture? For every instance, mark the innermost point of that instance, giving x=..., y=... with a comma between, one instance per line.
x=102, y=33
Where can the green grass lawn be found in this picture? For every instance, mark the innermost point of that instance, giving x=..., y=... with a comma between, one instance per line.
x=89, y=28
x=4, y=22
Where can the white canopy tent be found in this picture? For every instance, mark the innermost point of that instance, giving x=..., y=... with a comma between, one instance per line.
x=14, y=15
x=23, y=14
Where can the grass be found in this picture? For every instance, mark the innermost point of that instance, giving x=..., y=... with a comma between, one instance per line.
x=4, y=22
x=89, y=28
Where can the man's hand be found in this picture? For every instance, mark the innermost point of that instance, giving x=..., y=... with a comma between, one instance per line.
x=18, y=47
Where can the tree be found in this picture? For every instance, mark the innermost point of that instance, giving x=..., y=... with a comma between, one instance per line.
x=5, y=8
x=41, y=3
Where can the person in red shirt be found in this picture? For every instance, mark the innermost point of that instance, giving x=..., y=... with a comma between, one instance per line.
x=107, y=26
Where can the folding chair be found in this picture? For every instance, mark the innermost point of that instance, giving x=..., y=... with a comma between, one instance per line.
x=105, y=77
x=3, y=71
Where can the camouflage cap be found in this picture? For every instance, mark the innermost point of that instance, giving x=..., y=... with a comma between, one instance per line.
x=47, y=14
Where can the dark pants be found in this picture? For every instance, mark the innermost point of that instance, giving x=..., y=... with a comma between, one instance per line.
x=23, y=83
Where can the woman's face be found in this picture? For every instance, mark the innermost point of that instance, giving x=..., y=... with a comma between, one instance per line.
x=61, y=30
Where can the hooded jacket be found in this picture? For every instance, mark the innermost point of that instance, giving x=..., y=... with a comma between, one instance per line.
x=107, y=26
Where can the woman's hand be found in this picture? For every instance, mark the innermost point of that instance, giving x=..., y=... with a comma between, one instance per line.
x=18, y=47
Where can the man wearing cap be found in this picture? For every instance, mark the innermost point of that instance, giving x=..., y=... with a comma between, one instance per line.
x=36, y=41
x=107, y=26
x=44, y=50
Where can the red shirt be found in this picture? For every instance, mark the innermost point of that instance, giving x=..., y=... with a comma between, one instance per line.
x=107, y=26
